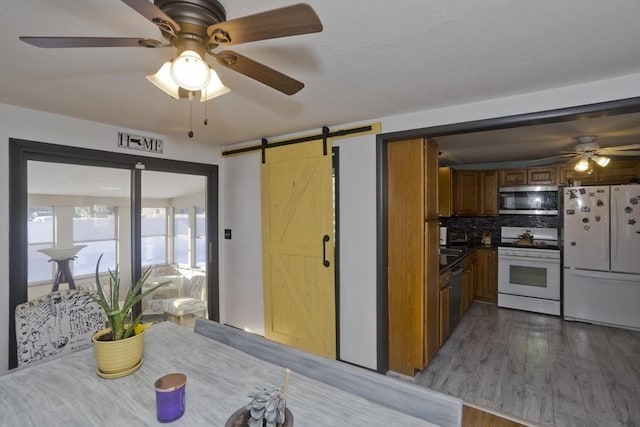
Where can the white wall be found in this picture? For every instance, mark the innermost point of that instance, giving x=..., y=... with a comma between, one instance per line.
x=357, y=209
x=51, y=128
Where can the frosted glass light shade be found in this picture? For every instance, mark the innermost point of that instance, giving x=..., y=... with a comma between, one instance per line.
x=214, y=88
x=601, y=161
x=189, y=71
x=582, y=165
x=163, y=80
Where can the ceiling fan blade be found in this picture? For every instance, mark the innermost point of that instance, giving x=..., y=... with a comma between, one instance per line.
x=259, y=72
x=612, y=150
x=282, y=22
x=153, y=13
x=624, y=153
x=55, y=42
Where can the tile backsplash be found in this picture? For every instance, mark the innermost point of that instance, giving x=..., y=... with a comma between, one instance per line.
x=494, y=223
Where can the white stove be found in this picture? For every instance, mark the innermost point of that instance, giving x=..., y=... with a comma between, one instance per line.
x=529, y=271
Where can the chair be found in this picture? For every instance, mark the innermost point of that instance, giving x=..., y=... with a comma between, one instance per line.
x=193, y=303
x=56, y=323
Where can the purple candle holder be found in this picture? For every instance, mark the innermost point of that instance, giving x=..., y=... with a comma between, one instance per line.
x=170, y=397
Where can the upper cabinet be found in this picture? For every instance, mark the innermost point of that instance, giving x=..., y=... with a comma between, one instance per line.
x=616, y=172
x=531, y=176
x=467, y=192
x=431, y=179
x=488, y=192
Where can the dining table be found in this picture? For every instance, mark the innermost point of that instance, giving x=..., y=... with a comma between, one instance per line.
x=66, y=390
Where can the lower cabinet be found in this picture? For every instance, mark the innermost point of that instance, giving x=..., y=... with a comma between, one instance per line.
x=487, y=278
x=468, y=282
x=444, y=303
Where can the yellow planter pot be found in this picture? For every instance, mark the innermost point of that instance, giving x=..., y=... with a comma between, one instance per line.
x=115, y=359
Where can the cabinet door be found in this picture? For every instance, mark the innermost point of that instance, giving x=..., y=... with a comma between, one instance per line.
x=567, y=175
x=511, y=177
x=488, y=193
x=443, y=311
x=432, y=285
x=466, y=193
x=541, y=176
x=445, y=191
x=405, y=246
x=431, y=180
x=487, y=275
x=619, y=172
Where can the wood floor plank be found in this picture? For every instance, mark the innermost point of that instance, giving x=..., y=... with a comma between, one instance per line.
x=540, y=368
x=472, y=417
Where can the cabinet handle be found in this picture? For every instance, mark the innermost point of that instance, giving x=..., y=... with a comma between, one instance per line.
x=325, y=261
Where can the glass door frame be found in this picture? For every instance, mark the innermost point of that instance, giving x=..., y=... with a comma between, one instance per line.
x=21, y=151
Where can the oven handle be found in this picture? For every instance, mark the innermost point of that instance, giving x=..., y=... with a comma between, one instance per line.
x=519, y=258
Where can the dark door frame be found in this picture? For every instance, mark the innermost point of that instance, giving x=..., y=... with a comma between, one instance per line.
x=20, y=151
x=601, y=109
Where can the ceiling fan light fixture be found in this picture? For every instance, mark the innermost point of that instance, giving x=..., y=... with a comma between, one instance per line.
x=214, y=88
x=582, y=165
x=190, y=71
x=163, y=80
x=601, y=161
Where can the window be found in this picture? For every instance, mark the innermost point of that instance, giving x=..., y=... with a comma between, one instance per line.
x=95, y=227
x=181, y=236
x=154, y=236
x=40, y=230
x=201, y=237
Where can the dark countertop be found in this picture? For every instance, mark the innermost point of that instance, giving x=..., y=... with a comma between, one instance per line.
x=447, y=261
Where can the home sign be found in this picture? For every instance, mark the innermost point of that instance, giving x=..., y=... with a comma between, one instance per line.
x=136, y=142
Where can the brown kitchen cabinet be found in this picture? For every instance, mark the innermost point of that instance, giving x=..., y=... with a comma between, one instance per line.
x=466, y=193
x=469, y=264
x=616, y=172
x=530, y=176
x=444, y=303
x=413, y=261
x=431, y=180
x=511, y=177
x=445, y=191
x=488, y=181
x=487, y=275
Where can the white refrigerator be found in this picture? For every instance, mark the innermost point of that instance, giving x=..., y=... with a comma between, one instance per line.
x=601, y=233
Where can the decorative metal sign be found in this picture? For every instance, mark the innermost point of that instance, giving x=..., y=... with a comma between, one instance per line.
x=136, y=142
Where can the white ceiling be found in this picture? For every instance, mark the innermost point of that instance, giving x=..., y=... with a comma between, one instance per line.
x=374, y=59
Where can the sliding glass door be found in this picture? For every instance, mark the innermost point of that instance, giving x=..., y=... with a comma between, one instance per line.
x=69, y=206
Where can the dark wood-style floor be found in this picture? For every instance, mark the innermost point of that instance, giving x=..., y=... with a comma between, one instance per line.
x=540, y=368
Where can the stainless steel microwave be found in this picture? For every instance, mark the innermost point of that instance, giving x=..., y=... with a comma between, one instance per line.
x=529, y=200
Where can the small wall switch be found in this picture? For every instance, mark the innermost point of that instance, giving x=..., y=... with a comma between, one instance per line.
x=227, y=233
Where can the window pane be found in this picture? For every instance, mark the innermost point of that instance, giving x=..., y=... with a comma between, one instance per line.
x=154, y=250
x=201, y=223
x=88, y=257
x=39, y=267
x=201, y=253
x=181, y=250
x=181, y=221
x=40, y=225
x=94, y=223
x=154, y=221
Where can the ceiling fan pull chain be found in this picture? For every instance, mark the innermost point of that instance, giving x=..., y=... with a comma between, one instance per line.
x=190, y=115
x=205, y=106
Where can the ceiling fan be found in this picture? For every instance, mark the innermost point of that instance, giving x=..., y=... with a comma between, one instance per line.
x=199, y=27
x=588, y=150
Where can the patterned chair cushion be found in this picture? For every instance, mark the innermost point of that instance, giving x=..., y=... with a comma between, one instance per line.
x=56, y=323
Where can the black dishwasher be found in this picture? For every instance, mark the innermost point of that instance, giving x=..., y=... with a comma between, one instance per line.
x=455, y=287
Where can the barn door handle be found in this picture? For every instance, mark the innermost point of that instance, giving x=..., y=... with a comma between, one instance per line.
x=325, y=261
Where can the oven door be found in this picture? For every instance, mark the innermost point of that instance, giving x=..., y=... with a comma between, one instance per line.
x=529, y=276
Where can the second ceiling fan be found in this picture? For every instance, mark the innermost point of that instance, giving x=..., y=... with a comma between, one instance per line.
x=197, y=28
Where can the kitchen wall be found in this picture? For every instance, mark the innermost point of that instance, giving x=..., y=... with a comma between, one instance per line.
x=494, y=223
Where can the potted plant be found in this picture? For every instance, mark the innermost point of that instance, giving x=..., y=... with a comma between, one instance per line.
x=119, y=347
x=268, y=408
